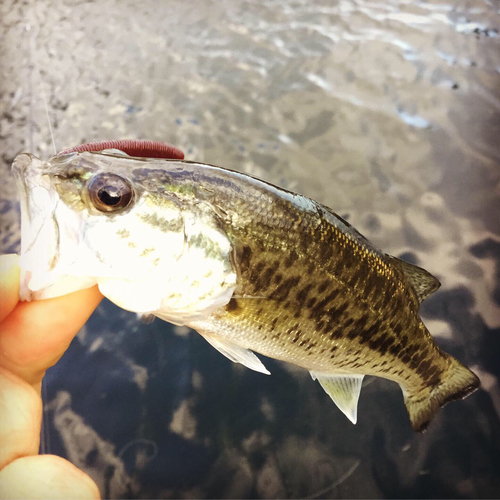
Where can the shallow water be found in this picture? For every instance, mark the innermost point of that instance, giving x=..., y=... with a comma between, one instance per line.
x=388, y=112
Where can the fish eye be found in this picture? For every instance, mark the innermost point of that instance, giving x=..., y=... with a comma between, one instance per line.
x=110, y=192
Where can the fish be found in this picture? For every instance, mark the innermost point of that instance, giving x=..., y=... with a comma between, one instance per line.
x=252, y=267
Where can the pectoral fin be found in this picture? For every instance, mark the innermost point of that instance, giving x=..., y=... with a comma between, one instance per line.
x=344, y=391
x=146, y=318
x=236, y=353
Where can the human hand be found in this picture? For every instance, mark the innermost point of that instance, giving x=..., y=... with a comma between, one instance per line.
x=33, y=336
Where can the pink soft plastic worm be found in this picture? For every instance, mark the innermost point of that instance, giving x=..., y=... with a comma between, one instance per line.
x=141, y=148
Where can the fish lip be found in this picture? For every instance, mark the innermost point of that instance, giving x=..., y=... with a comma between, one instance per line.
x=20, y=167
x=31, y=173
x=22, y=162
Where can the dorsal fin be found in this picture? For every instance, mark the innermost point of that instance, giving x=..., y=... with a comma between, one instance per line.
x=422, y=281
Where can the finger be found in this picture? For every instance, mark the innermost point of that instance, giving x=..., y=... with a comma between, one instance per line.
x=20, y=418
x=45, y=476
x=36, y=334
x=9, y=284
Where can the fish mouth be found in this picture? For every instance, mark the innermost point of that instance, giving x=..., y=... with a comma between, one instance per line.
x=39, y=227
x=20, y=167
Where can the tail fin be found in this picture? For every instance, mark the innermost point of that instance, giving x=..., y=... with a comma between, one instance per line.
x=457, y=383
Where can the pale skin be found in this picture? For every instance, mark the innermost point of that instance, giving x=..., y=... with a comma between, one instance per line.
x=33, y=336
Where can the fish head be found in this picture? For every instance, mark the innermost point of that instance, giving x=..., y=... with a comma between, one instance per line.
x=125, y=224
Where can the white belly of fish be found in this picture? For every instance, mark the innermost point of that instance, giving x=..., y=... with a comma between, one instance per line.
x=179, y=275
x=177, y=288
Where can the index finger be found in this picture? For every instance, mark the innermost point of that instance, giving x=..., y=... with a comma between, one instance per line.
x=34, y=335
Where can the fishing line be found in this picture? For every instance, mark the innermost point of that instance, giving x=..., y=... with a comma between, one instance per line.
x=45, y=430
x=31, y=121
x=33, y=65
x=47, y=113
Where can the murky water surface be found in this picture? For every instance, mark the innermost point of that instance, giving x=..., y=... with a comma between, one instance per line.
x=388, y=112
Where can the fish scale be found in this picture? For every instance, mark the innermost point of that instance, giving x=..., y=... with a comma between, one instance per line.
x=248, y=265
x=352, y=311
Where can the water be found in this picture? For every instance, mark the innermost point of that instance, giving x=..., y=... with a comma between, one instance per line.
x=388, y=112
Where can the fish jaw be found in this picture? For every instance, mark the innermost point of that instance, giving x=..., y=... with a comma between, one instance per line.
x=42, y=268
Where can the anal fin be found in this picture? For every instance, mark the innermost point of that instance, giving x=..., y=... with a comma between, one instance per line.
x=344, y=391
x=236, y=353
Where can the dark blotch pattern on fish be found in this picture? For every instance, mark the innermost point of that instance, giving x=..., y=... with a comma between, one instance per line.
x=323, y=288
x=154, y=220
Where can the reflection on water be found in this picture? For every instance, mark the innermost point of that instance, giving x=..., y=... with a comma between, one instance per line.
x=386, y=111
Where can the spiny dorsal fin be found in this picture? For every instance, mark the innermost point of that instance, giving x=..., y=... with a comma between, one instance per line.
x=344, y=391
x=422, y=281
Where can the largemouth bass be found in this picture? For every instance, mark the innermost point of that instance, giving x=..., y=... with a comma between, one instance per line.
x=248, y=265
